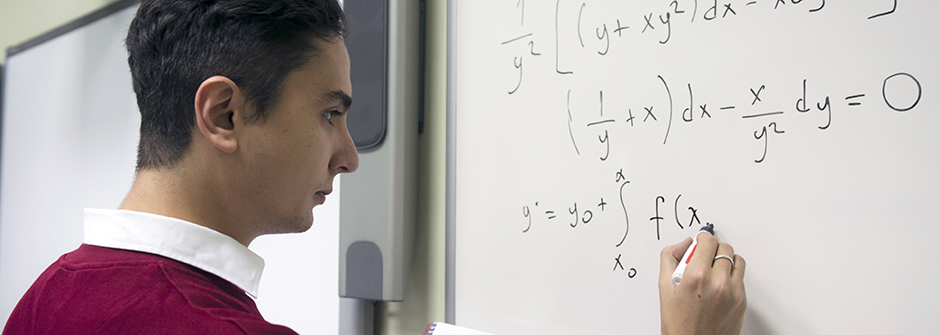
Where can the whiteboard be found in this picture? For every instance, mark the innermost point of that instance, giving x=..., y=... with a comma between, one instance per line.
x=588, y=135
x=70, y=132
x=70, y=129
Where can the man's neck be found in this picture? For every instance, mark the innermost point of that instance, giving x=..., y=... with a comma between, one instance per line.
x=173, y=193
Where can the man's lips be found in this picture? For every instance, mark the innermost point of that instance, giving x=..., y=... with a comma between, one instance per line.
x=320, y=196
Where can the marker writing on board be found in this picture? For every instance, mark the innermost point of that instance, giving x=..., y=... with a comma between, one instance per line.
x=677, y=275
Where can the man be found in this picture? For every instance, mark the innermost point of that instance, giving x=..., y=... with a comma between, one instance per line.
x=243, y=129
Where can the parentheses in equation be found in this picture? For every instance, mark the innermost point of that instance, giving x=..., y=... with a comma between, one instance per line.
x=668, y=93
x=557, y=5
x=884, y=91
x=571, y=132
x=675, y=211
x=581, y=13
x=625, y=215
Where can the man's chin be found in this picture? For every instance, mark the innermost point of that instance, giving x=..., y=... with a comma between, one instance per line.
x=304, y=225
x=293, y=225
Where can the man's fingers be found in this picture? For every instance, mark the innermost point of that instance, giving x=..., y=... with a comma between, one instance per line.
x=722, y=265
x=679, y=249
x=704, y=251
x=737, y=274
x=670, y=256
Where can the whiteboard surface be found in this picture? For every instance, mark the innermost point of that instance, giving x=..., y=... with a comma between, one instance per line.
x=577, y=125
x=70, y=129
x=70, y=132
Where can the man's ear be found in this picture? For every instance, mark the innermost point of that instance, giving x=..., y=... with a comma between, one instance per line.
x=218, y=100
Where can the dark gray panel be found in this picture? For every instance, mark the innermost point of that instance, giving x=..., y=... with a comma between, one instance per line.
x=368, y=54
x=364, y=271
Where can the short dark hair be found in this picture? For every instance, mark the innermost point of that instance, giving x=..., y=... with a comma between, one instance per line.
x=174, y=45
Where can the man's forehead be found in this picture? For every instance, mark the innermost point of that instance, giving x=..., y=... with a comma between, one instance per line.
x=328, y=50
x=326, y=73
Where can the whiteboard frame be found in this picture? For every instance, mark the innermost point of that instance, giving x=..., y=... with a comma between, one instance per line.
x=451, y=189
x=69, y=27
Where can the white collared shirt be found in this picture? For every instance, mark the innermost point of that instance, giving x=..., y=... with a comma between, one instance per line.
x=176, y=239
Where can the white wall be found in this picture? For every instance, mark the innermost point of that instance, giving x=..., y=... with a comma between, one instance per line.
x=299, y=286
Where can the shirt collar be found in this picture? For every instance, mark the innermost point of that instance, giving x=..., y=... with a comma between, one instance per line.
x=176, y=239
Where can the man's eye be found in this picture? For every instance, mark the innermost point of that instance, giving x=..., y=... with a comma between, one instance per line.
x=330, y=114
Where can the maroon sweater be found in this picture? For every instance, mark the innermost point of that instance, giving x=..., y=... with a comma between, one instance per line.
x=97, y=290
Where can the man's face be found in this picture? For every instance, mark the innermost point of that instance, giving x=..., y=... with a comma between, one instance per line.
x=292, y=157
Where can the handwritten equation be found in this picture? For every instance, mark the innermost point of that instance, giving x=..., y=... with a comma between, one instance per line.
x=620, y=28
x=766, y=111
x=580, y=215
x=901, y=92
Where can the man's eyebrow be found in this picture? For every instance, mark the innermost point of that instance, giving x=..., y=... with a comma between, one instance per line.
x=340, y=96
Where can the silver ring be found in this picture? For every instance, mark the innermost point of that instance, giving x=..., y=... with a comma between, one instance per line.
x=724, y=257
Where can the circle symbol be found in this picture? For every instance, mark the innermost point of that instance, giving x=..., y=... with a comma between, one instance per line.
x=897, y=88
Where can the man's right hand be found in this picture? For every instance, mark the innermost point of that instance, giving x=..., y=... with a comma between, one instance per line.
x=711, y=298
